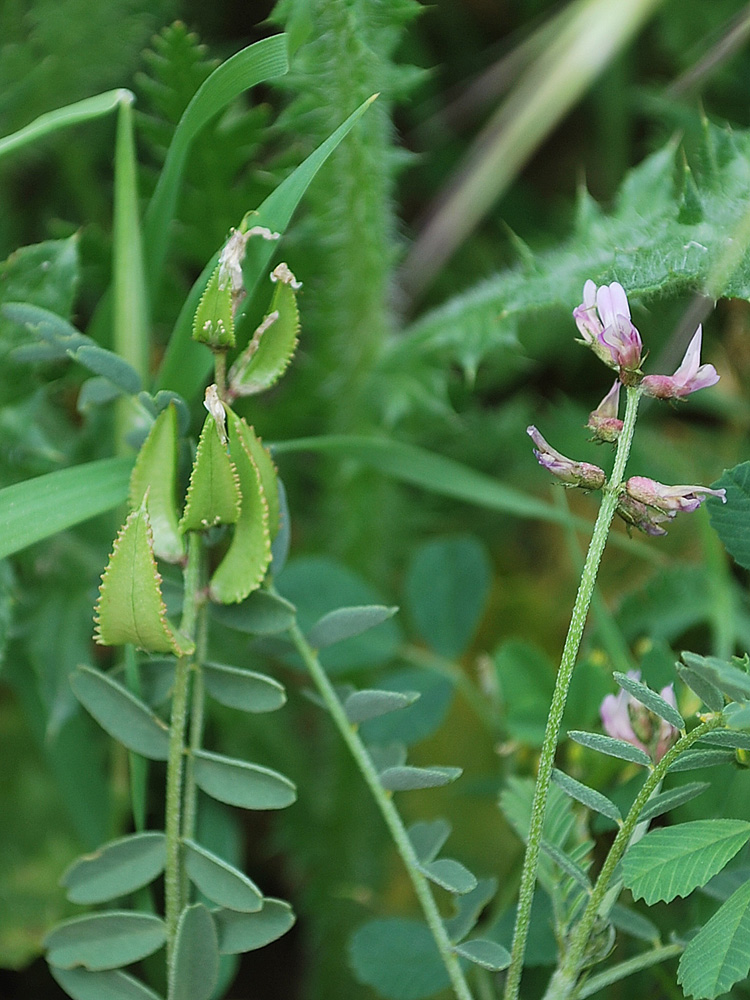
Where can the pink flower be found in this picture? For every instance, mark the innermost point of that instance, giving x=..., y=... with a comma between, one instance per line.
x=642, y=517
x=625, y=718
x=610, y=334
x=603, y=420
x=669, y=499
x=689, y=377
x=583, y=474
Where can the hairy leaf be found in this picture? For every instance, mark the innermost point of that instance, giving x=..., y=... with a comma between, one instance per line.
x=588, y=797
x=488, y=954
x=238, y=783
x=221, y=882
x=345, y=623
x=653, y=701
x=241, y=932
x=719, y=954
x=243, y=689
x=611, y=746
x=80, y=984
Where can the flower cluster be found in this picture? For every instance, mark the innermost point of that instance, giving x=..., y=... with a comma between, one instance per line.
x=625, y=718
x=603, y=320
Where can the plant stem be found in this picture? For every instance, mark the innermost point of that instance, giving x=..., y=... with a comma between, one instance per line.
x=563, y=982
x=559, y=697
x=197, y=706
x=627, y=968
x=173, y=882
x=388, y=811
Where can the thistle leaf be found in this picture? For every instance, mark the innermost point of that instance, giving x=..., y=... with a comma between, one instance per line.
x=155, y=473
x=130, y=606
x=213, y=495
x=268, y=354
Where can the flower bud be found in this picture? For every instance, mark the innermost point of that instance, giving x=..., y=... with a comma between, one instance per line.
x=583, y=474
x=603, y=420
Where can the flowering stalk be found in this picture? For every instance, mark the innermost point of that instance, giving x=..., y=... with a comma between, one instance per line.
x=570, y=652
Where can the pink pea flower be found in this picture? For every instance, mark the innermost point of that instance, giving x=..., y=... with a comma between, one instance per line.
x=583, y=474
x=689, y=377
x=603, y=320
x=603, y=420
x=627, y=719
x=669, y=499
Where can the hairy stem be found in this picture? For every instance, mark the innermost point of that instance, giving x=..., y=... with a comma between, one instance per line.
x=388, y=811
x=560, y=695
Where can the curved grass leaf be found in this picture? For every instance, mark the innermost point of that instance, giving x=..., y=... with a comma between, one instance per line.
x=219, y=881
x=362, y=705
x=405, y=778
x=241, y=932
x=261, y=61
x=673, y=861
x=155, y=473
x=611, y=746
x=735, y=683
x=186, y=364
x=449, y=875
x=427, y=837
x=110, y=985
x=730, y=520
x=104, y=940
x=71, y=114
x=719, y=954
x=653, y=701
x=213, y=494
x=671, y=799
x=345, y=623
x=38, y=508
x=586, y=796
x=120, y=713
x=262, y=613
x=194, y=970
x=116, y=869
x=130, y=606
x=243, y=689
x=488, y=954
x=239, y=783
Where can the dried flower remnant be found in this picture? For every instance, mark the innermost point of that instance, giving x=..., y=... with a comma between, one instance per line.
x=670, y=499
x=216, y=408
x=230, y=261
x=625, y=718
x=603, y=421
x=603, y=320
x=583, y=474
x=689, y=377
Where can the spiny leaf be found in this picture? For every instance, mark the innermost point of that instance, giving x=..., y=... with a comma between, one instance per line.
x=268, y=354
x=130, y=606
x=266, y=468
x=155, y=474
x=213, y=495
x=243, y=567
x=719, y=954
x=214, y=321
x=673, y=861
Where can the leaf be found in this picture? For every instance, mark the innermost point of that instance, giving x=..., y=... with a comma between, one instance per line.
x=262, y=613
x=525, y=677
x=727, y=738
x=71, y=114
x=708, y=693
x=245, y=563
x=268, y=354
x=427, y=837
x=155, y=474
x=130, y=606
x=419, y=720
x=194, y=969
x=96, y=392
x=488, y=954
x=586, y=796
x=730, y=520
x=469, y=909
x=633, y=923
x=666, y=801
x=241, y=932
x=737, y=716
x=566, y=864
x=120, y=713
x=735, y=683
x=719, y=954
x=110, y=366
x=214, y=318
x=405, y=778
x=104, y=940
x=653, y=701
x=185, y=365
x=611, y=746
x=243, y=689
x=221, y=882
x=38, y=508
x=55, y=332
x=672, y=861
x=238, y=783
x=690, y=760
x=447, y=586
x=116, y=869
x=213, y=494
x=107, y=985
x=398, y=958
x=362, y=705
x=266, y=468
x=345, y=623
x=449, y=875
